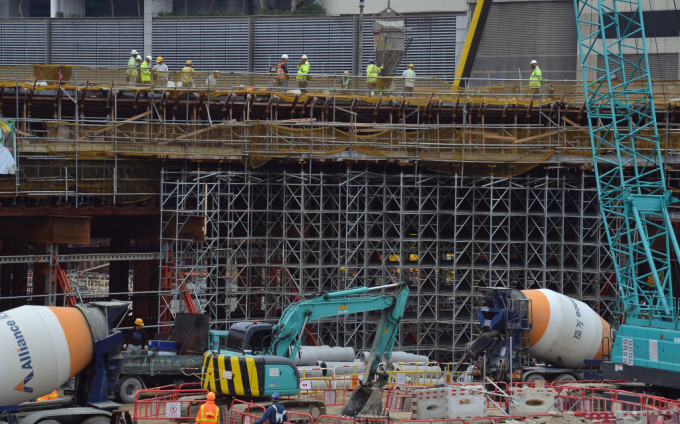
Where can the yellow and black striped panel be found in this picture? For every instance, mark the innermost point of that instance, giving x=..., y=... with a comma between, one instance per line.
x=233, y=375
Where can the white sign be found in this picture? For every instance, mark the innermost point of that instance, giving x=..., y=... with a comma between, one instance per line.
x=173, y=410
x=628, y=351
x=329, y=397
x=305, y=385
x=654, y=350
x=246, y=419
x=274, y=372
x=227, y=375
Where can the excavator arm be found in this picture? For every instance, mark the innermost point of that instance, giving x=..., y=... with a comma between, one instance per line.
x=286, y=334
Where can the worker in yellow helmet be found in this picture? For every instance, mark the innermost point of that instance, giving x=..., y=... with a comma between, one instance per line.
x=160, y=71
x=409, y=76
x=208, y=413
x=49, y=396
x=136, y=340
x=188, y=74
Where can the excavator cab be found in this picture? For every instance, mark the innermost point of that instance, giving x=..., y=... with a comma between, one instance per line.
x=249, y=337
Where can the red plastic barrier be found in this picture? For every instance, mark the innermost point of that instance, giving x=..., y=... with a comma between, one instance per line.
x=164, y=403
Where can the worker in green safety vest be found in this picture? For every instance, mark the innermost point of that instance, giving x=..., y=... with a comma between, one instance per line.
x=536, y=78
x=303, y=73
x=145, y=70
x=372, y=73
x=131, y=72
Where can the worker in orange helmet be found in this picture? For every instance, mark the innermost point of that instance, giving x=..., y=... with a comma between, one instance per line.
x=208, y=413
x=49, y=396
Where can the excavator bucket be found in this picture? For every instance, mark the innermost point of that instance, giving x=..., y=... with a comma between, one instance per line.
x=364, y=401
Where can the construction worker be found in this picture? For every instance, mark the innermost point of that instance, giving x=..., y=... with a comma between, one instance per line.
x=139, y=61
x=188, y=74
x=282, y=72
x=131, y=73
x=160, y=72
x=372, y=73
x=275, y=414
x=145, y=70
x=346, y=80
x=137, y=339
x=49, y=396
x=208, y=413
x=409, y=76
x=211, y=81
x=536, y=78
x=303, y=73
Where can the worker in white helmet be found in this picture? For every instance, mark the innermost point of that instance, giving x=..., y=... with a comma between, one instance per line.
x=536, y=78
x=131, y=73
x=282, y=72
x=303, y=73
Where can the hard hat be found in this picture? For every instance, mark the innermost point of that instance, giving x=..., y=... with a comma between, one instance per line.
x=139, y=321
x=189, y=62
x=216, y=72
x=304, y=56
x=533, y=62
x=149, y=57
x=346, y=72
x=284, y=56
x=210, y=396
x=138, y=57
x=410, y=65
x=159, y=59
x=134, y=52
x=371, y=60
x=276, y=396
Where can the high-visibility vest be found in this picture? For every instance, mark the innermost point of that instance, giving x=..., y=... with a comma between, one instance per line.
x=208, y=413
x=146, y=72
x=303, y=71
x=132, y=67
x=52, y=395
x=280, y=71
x=187, y=75
x=372, y=72
x=536, y=78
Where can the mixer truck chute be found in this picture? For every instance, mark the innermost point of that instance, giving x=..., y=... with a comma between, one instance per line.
x=258, y=358
x=521, y=328
x=43, y=347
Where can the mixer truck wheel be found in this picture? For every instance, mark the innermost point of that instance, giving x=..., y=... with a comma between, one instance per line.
x=97, y=419
x=532, y=378
x=128, y=387
x=565, y=377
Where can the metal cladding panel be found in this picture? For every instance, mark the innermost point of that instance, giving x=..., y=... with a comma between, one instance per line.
x=220, y=44
x=433, y=49
x=22, y=41
x=100, y=43
x=327, y=41
x=661, y=65
x=517, y=32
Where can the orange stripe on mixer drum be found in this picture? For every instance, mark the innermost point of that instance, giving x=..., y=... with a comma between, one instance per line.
x=607, y=341
x=78, y=337
x=540, y=314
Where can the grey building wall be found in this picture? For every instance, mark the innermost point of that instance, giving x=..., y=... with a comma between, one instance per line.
x=240, y=44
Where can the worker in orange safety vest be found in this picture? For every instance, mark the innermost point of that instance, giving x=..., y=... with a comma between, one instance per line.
x=208, y=413
x=50, y=396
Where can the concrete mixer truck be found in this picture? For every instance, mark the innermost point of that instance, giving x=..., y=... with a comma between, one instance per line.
x=539, y=335
x=42, y=347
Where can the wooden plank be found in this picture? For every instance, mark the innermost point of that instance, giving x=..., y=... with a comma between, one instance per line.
x=488, y=134
x=534, y=137
x=202, y=130
x=111, y=127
